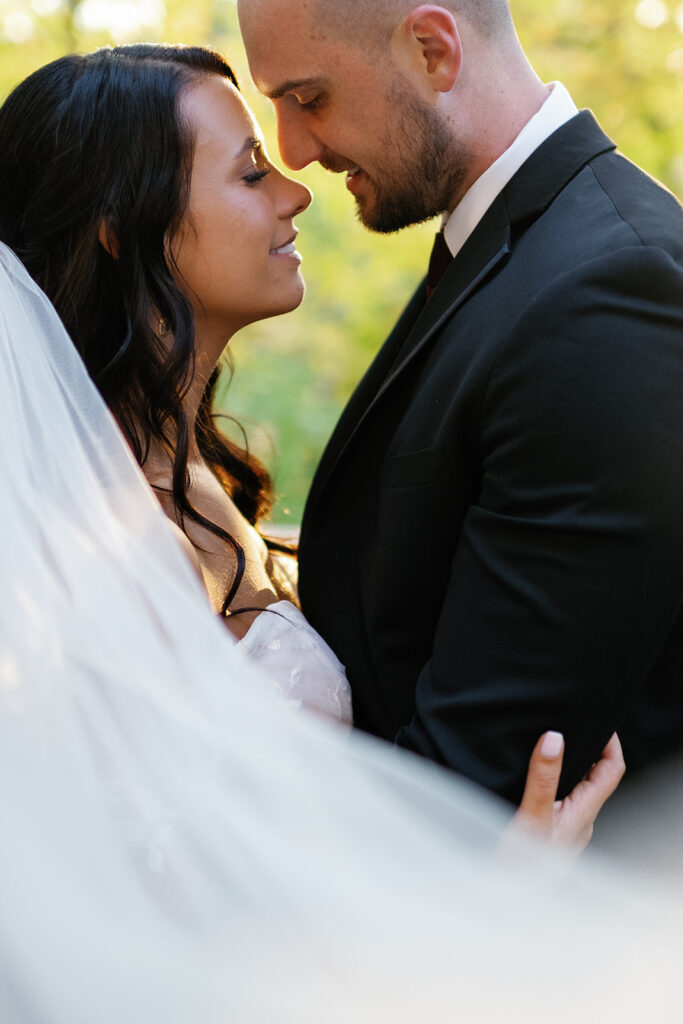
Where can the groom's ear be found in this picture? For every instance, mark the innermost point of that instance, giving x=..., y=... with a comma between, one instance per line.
x=108, y=239
x=431, y=33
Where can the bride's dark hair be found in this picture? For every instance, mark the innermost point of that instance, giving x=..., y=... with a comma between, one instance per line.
x=96, y=142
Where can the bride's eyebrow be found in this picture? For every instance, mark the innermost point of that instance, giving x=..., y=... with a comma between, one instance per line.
x=251, y=145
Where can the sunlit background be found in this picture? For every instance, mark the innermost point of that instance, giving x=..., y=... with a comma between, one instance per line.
x=622, y=58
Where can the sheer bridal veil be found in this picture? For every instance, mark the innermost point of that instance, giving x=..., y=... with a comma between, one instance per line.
x=176, y=845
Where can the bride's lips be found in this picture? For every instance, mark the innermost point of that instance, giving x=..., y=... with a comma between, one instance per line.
x=287, y=250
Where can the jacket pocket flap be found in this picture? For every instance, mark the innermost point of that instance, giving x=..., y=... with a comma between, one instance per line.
x=414, y=469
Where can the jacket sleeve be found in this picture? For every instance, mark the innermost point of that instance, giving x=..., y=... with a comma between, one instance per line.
x=568, y=575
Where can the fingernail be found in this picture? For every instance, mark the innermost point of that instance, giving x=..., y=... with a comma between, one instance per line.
x=552, y=745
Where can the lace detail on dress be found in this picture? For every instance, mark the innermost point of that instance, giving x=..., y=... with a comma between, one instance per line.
x=287, y=648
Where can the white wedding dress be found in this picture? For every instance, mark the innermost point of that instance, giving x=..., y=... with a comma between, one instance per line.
x=177, y=846
x=305, y=669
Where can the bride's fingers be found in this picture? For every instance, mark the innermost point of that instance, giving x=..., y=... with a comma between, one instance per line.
x=571, y=821
x=604, y=777
x=542, y=780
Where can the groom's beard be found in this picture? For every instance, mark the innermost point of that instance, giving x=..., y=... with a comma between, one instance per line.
x=423, y=167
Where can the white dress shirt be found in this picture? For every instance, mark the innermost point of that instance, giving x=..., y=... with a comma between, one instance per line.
x=556, y=111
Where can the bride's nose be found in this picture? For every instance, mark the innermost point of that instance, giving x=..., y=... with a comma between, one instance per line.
x=295, y=197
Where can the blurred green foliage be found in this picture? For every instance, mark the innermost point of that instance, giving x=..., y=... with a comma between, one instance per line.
x=623, y=58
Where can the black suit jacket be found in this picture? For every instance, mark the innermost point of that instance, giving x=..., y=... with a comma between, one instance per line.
x=493, y=543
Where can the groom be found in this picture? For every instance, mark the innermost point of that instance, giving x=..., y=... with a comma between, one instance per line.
x=493, y=543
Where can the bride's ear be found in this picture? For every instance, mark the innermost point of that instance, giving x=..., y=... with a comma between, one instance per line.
x=108, y=239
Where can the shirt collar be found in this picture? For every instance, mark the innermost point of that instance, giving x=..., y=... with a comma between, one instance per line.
x=558, y=108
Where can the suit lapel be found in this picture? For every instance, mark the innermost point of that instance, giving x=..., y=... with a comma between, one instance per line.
x=483, y=251
x=367, y=390
x=380, y=368
x=527, y=196
x=553, y=165
x=413, y=333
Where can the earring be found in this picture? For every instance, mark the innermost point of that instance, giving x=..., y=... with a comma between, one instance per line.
x=162, y=327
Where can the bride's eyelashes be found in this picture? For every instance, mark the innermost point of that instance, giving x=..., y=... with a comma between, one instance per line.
x=258, y=175
x=259, y=166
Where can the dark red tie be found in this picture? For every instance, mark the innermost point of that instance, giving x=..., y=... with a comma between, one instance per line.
x=439, y=262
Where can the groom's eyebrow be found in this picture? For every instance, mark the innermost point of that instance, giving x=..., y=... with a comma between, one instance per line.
x=293, y=84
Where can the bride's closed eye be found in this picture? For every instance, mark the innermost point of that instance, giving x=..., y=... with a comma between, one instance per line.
x=259, y=167
x=257, y=175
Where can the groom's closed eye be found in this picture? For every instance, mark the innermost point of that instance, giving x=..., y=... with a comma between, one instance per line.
x=312, y=104
x=303, y=87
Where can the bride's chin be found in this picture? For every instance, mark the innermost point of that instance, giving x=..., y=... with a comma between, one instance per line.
x=293, y=300
x=302, y=295
x=278, y=307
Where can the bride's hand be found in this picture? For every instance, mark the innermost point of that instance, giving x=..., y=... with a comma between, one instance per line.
x=569, y=821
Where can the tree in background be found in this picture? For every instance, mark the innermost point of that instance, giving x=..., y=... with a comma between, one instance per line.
x=623, y=58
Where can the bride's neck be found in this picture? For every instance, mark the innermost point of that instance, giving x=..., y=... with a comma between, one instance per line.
x=158, y=467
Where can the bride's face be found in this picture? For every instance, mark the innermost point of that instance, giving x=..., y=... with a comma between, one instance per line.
x=234, y=251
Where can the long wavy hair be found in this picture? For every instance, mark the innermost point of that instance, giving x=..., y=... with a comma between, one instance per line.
x=98, y=140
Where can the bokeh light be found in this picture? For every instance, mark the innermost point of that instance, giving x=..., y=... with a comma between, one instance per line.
x=652, y=13
x=123, y=19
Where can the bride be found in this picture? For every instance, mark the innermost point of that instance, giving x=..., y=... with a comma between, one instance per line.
x=156, y=246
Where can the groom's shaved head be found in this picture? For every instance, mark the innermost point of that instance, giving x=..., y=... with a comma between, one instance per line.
x=377, y=19
x=374, y=21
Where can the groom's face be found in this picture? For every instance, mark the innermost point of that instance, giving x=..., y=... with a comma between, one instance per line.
x=348, y=109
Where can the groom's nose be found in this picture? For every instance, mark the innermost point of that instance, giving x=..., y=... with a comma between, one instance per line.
x=299, y=146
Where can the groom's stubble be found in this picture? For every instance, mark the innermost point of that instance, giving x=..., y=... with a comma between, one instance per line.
x=421, y=165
